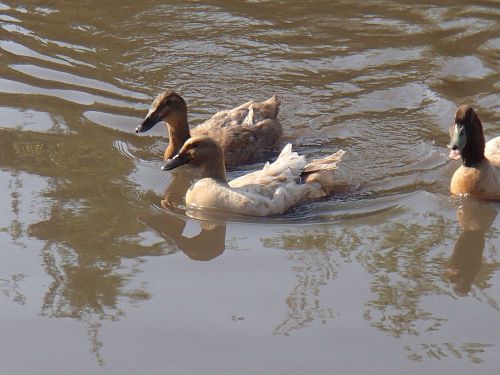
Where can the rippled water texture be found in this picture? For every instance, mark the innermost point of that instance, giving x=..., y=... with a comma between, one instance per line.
x=391, y=277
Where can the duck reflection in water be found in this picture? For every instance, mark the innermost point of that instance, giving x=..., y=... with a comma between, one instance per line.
x=180, y=181
x=206, y=245
x=172, y=223
x=474, y=219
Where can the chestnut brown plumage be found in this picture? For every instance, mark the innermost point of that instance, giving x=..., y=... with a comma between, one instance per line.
x=246, y=134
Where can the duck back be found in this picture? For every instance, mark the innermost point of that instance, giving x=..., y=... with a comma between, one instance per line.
x=247, y=114
x=247, y=134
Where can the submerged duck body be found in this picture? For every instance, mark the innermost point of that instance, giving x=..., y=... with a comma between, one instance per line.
x=247, y=133
x=279, y=186
x=479, y=174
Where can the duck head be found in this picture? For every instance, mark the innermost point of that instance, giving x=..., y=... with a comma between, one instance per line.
x=467, y=137
x=169, y=107
x=202, y=153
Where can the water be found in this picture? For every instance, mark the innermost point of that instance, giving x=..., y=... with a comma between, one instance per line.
x=96, y=276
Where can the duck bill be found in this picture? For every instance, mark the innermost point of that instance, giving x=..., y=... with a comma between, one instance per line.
x=457, y=143
x=150, y=121
x=175, y=162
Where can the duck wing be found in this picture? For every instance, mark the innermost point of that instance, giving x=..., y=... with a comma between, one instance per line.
x=247, y=133
x=246, y=145
x=247, y=114
x=285, y=170
x=492, y=150
x=275, y=188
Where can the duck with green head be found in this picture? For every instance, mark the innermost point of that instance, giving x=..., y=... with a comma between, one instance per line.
x=479, y=174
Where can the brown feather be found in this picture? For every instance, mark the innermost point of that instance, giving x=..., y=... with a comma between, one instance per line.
x=247, y=133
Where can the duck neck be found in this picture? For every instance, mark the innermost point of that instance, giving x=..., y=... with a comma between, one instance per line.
x=472, y=160
x=178, y=132
x=215, y=169
x=473, y=152
x=220, y=176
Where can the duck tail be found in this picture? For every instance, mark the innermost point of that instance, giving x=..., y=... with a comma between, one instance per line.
x=326, y=164
x=321, y=171
x=273, y=101
x=268, y=108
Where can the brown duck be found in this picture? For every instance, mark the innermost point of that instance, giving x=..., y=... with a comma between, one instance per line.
x=246, y=134
x=479, y=174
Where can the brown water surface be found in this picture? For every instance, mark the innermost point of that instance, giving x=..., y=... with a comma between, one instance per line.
x=97, y=276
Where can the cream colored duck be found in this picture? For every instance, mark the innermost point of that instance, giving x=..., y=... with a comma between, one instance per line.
x=479, y=174
x=246, y=134
x=273, y=190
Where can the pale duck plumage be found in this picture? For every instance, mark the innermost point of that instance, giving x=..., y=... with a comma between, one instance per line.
x=279, y=186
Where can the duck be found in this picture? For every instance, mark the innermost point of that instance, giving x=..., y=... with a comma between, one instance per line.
x=279, y=186
x=479, y=174
x=247, y=133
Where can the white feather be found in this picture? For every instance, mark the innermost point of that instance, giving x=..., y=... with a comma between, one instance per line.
x=270, y=191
